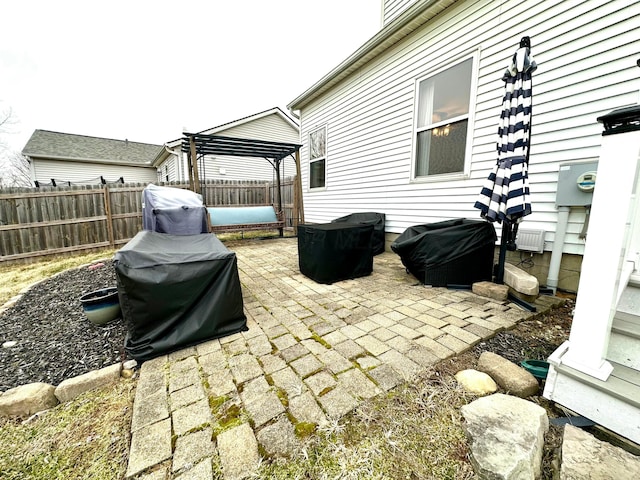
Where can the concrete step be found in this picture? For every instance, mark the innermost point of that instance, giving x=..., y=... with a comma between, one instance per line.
x=624, y=342
x=629, y=306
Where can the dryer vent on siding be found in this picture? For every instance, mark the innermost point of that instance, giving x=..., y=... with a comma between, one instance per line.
x=530, y=240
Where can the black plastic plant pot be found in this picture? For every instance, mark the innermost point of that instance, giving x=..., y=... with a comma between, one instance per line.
x=101, y=306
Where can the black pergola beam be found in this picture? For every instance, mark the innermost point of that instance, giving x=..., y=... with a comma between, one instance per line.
x=239, y=147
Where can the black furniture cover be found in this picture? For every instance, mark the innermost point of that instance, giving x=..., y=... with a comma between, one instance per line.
x=331, y=252
x=177, y=291
x=368, y=218
x=455, y=252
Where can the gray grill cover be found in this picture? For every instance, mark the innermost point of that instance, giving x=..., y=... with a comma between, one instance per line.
x=173, y=210
x=177, y=291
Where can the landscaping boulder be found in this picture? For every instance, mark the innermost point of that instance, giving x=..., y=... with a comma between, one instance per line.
x=27, y=400
x=477, y=382
x=512, y=378
x=73, y=387
x=584, y=456
x=506, y=437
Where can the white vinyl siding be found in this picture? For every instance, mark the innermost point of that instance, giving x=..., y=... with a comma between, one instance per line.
x=244, y=168
x=84, y=172
x=392, y=8
x=270, y=127
x=168, y=168
x=586, y=53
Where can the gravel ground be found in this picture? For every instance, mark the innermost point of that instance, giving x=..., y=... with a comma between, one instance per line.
x=54, y=339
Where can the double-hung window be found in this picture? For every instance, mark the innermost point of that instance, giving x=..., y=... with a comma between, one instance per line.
x=317, y=157
x=442, y=119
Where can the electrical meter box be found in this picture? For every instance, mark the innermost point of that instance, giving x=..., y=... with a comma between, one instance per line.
x=576, y=182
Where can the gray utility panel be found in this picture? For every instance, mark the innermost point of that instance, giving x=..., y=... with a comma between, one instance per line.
x=575, y=184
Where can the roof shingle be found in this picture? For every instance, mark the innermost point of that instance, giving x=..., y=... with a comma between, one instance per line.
x=47, y=144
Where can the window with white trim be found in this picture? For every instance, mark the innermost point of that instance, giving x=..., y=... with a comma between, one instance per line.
x=317, y=157
x=442, y=111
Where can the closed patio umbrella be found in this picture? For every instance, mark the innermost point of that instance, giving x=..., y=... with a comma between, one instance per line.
x=505, y=195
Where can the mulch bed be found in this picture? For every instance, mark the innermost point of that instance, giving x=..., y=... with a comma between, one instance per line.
x=55, y=340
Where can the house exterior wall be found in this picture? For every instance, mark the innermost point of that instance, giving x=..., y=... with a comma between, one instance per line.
x=83, y=172
x=270, y=127
x=168, y=170
x=392, y=8
x=244, y=168
x=586, y=53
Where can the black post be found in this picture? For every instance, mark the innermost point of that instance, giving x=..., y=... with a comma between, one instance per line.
x=504, y=239
x=280, y=210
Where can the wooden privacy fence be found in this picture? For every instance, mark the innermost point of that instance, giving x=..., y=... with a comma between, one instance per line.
x=54, y=220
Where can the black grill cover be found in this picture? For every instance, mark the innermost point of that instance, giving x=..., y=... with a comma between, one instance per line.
x=453, y=252
x=331, y=252
x=177, y=291
x=368, y=218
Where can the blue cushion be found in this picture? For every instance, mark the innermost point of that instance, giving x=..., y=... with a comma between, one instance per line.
x=241, y=215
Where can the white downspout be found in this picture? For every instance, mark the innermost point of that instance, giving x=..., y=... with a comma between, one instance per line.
x=558, y=245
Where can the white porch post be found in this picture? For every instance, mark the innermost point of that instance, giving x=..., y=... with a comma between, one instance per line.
x=605, y=251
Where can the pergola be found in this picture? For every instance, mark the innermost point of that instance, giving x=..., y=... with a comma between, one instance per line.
x=198, y=145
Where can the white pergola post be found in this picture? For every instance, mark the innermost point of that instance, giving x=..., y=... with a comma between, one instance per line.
x=605, y=253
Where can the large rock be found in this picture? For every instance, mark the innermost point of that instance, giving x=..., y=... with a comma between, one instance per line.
x=506, y=437
x=476, y=382
x=491, y=290
x=520, y=280
x=26, y=400
x=512, y=378
x=73, y=387
x=585, y=457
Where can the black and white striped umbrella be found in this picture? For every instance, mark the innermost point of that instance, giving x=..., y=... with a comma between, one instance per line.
x=505, y=194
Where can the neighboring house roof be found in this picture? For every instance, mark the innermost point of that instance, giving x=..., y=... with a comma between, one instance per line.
x=251, y=118
x=408, y=21
x=81, y=148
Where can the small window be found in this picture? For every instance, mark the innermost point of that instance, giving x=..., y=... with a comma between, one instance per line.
x=317, y=157
x=442, y=121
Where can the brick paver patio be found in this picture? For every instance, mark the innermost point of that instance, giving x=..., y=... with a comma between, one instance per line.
x=312, y=353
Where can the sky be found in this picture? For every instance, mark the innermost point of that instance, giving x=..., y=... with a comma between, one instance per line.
x=145, y=70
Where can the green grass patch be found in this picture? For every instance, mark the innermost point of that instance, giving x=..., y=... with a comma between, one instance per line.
x=14, y=278
x=85, y=439
x=412, y=432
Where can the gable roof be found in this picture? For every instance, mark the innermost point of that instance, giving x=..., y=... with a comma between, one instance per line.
x=408, y=21
x=67, y=146
x=251, y=118
x=226, y=126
